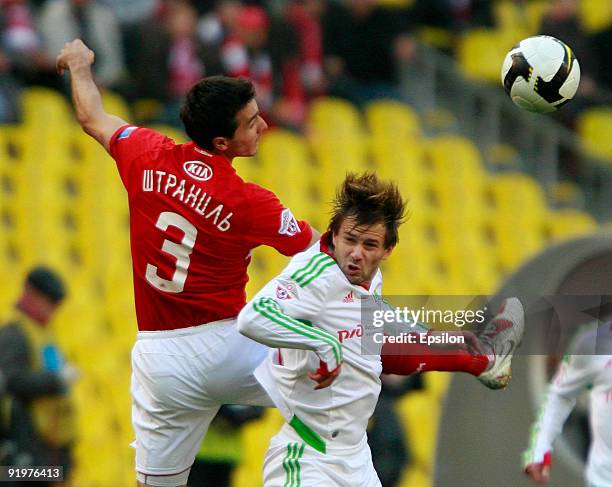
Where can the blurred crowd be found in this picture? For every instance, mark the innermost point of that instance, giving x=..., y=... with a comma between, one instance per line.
x=151, y=51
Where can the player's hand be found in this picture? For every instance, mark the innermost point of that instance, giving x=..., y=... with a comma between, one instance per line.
x=74, y=53
x=538, y=472
x=323, y=377
x=69, y=374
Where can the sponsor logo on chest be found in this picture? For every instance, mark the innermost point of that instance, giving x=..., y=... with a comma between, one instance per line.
x=353, y=333
x=198, y=170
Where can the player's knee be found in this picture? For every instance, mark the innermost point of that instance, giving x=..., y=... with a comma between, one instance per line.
x=172, y=480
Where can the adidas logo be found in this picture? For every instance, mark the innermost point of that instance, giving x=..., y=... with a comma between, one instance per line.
x=348, y=298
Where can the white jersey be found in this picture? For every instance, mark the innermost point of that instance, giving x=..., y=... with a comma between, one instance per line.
x=582, y=369
x=313, y=314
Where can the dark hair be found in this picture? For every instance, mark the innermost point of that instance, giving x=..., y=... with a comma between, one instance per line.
x=47, y=282
x=210, y=107
x=369, y=201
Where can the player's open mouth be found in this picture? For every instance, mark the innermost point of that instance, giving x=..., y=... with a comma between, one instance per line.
x=352, y=268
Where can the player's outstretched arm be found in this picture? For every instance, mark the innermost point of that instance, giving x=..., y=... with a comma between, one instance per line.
x=573, y=377
x=77, y=58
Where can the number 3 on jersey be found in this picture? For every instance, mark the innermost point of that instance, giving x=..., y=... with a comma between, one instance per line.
x=181, y=251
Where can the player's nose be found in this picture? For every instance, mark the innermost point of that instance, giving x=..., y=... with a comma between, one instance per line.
x=357, y=253
x=262, y=124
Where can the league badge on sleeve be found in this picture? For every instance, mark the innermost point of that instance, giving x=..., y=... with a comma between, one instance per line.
x=286, y=289
x=126, y=132
x=288, y=224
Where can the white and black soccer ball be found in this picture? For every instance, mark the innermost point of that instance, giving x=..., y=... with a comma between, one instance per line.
x=541, y=74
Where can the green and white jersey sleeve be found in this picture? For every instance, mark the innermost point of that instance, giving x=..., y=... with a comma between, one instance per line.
x=282, y=314
x=582, y=369
x=312, y=313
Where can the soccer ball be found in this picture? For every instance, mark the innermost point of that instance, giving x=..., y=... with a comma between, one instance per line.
x=541, y=74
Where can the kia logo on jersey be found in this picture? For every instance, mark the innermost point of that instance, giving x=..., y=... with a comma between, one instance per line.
x=198, y=170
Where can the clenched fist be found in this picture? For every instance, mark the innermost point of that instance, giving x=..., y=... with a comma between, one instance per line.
x=74, y=54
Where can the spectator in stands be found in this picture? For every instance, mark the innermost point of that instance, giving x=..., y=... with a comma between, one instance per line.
x=40, y=426
x=63, y=20
x=302, y=69
x=561, y=21
x=172, y=58
x=216, y=24
x=265, y=49
x=602, y=47
x=9, y=92
x=22, y=58
x=131, y=14
x=363, y=44
x=244, y=53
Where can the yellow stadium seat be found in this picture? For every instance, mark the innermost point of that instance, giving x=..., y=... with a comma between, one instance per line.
x=416, y=476
x=115, y=104
x=437, y=37
x=456, y=175
x=454, y=156
x=595, y=127
x=516, y=194
x=175, y=134
x=403, y=162
x=332, y=117
x=420, y=413
x=45, y=108
x=437, y=383
x=336, y=137
x=516, y=220
x=248, y=168
x=255, y=438
x=285, y=168
x=520, y=19
x=569, y=223
x=595, y=15
x=392, y=120
x=482, y=52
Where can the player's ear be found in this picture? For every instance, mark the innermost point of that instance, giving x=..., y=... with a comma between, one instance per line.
x=220, y=143
x=387, y=253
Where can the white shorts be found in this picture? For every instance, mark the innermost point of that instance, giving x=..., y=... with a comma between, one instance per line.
x=290, y=462
x=180, y=378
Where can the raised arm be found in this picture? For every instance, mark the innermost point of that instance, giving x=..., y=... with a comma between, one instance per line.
x=77, y=58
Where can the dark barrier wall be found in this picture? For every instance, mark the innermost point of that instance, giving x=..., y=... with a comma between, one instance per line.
x=483, y=433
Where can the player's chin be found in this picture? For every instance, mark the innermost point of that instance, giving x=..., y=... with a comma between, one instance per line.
x=253, y=150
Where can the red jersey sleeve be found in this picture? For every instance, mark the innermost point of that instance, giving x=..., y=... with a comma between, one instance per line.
x=130, y=142
x=270, y=223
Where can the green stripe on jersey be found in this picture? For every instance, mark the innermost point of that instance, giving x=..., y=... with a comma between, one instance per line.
x=308, y=267
x=308, y=435
x=288, y=466
x=270, y=309
x=291, y=464
x=313, y=269
x=317, y=272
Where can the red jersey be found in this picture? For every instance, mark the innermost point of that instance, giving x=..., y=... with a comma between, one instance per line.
x=193, y=224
